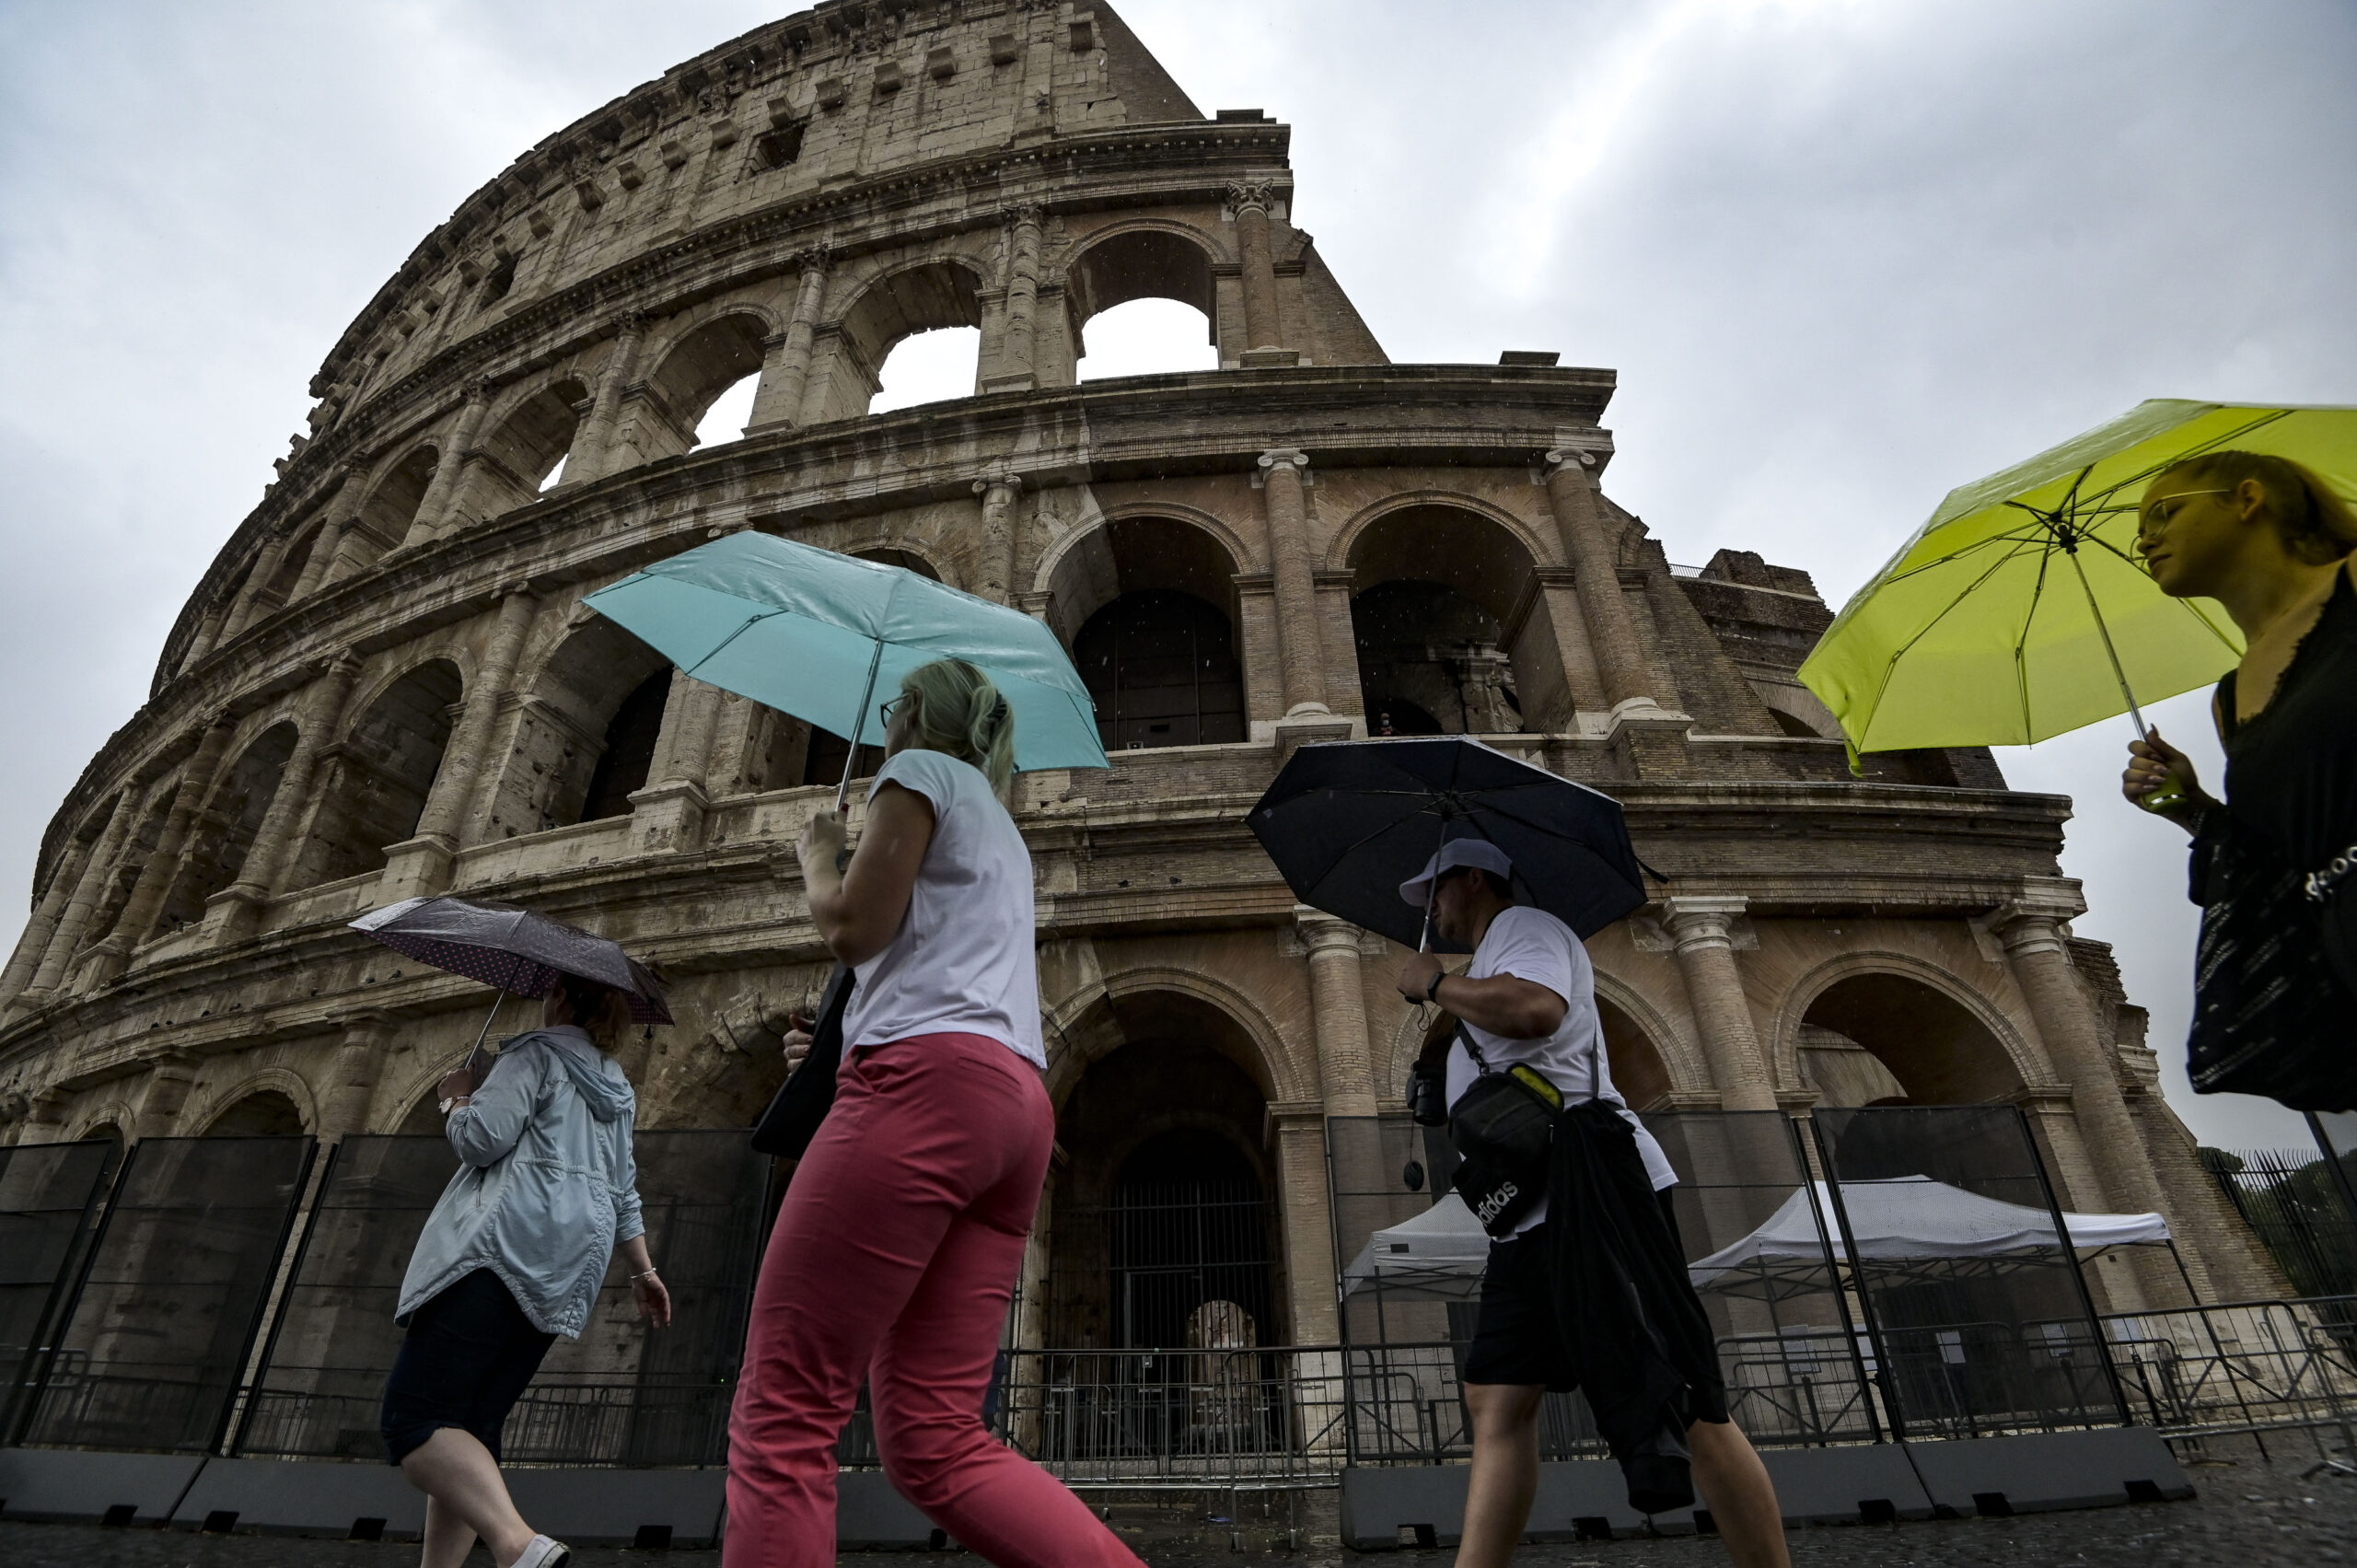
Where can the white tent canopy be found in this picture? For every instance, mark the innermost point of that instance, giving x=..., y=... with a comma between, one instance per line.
x=1907, y=1220
x=1439, y=1255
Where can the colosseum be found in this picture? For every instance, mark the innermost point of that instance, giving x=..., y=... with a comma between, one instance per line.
x=387, y=685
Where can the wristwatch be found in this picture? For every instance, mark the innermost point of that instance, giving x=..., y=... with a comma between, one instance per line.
x=1432, y=987
x=455, y=1100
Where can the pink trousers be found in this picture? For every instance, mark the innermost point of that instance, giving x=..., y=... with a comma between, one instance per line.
x=893, y=1259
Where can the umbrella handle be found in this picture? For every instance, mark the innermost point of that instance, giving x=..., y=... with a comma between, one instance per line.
x=2159, y=800
x=858, y=720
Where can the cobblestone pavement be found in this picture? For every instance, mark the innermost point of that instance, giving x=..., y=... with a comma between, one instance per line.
x=2249, y=1515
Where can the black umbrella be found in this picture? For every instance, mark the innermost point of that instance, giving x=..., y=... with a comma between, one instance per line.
x=519, y=952
x=1348, y=821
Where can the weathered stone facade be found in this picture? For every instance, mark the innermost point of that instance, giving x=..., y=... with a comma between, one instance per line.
x=386, y=684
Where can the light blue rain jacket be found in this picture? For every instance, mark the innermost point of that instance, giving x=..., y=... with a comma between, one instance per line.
x=547, y=1183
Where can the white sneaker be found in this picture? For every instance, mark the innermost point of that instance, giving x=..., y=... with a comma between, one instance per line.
x=544, y=1553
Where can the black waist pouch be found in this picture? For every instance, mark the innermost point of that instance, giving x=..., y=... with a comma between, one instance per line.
x=1504, y=1127
x=801, y=1103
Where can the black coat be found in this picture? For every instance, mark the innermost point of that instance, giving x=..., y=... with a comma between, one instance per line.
x=1624, y=1306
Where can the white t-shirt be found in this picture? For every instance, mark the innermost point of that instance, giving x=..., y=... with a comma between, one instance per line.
x=1530, y=944
x=963, y=961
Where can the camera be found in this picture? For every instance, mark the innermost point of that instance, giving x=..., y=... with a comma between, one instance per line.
x=1428, y=1095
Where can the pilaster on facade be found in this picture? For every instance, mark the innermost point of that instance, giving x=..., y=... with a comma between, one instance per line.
x=1707, y=930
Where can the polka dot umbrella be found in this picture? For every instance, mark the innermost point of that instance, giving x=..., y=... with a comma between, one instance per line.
x=518, y=951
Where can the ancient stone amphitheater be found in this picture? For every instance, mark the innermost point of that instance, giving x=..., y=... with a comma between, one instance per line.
x=386, y=684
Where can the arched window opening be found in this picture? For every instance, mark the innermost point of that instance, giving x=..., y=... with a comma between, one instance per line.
x=105, y=1132
x=379, y=777
x=384, y=518
x=1147, y=337
x=264, y=1115
x=918, y=302
x=926, y=368
x=907, y=559
x=1141, y=304
x=627, y=753
x=670, y=414
x=567, y=729
x=131, y=860
x=1163, y=1209
x=522, y=457
x=730, y=413
x=224, y=829
x=1885, y=1038
x=1448, y=619
x=275, y=594
x=1161, y=668
x=1427, y=650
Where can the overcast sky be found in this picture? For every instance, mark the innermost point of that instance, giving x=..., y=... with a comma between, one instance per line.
x=1844, y=257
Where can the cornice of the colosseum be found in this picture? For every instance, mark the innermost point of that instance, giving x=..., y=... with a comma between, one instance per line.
x=682, y=272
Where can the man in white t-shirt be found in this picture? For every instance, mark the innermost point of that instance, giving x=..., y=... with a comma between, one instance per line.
x=1530, y=997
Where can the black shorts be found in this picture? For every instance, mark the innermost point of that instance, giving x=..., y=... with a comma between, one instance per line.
x=1515, y=1340
x=469, y=1353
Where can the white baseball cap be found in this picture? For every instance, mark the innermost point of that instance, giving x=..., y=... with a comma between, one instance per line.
x=1478, y=853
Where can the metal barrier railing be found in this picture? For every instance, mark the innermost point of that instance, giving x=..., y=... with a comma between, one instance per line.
x=2248, y=1366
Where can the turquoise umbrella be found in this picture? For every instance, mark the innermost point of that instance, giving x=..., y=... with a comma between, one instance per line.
x=816, y=634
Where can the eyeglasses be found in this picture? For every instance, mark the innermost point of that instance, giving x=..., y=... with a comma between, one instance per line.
x=890, y=705
x=2158, y=512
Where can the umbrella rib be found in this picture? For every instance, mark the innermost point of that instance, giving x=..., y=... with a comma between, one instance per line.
x=2161, y=466
x=1901, y=652
x=749, y=624
x=2021, y=638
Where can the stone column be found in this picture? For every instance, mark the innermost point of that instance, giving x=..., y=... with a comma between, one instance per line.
x=2030, y=930
x=111, y=956
x=1308, y=1220
x=1703, y=929
x=420, y=865
x=86, y=893
x=1298, y=654
x=322, y=560
x=785, y=361
x=592, y=454
x=161, y=1097
x=1018, y=354
x=438, y=513
x=235, y=912
x=1612, y=629
x=247, y=608
x=668, y=814
x=1337, y=1006
x=43, y=1121
x=1260, y=270
x=352, y=1081
x=33, y=941
x=995, y=579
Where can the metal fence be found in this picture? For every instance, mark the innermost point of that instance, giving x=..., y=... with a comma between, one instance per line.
x=2294, y=1200
x=48, y=1205
x=2253, y=1366
x=154, y=1349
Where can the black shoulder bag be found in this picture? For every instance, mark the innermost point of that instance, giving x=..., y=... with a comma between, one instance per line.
x=787, y=1128
x=1503, y=1126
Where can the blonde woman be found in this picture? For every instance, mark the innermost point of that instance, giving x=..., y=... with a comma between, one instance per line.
x=511, y=1256
x=2275, y=862
x=897, y=1249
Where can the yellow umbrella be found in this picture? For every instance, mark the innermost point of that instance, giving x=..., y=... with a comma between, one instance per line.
x=2022, y=610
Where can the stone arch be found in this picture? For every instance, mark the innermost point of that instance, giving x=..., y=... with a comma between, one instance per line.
x=275, y=594
x=896, y=303
x=567, y=727
x=703, y=361
x=1147, y=604
x=1649, y=1055
x=384, y=519
x=1445, y=609
x=529, y=437
x=1144, y=259
x=273, y=1100
x=1271, y=1066
x=1965, y=1050
x=223, y=831
x=114, y=1119
x=377, y=777
x=1544, y=552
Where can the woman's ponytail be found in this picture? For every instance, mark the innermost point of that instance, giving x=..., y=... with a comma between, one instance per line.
x=961, y=711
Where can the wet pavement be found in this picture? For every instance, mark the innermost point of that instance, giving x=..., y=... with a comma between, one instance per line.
x=2249, y=1515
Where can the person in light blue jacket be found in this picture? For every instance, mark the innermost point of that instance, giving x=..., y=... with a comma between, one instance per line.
x=511, y=1256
